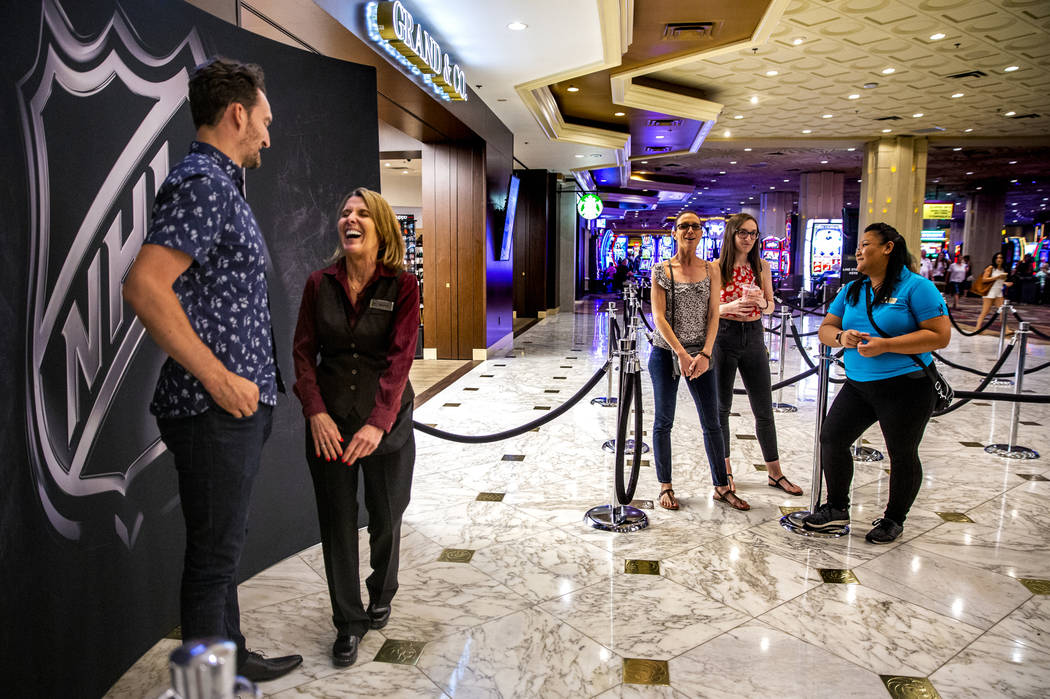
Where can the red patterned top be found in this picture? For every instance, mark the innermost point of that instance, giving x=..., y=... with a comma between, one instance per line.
x=734, y=289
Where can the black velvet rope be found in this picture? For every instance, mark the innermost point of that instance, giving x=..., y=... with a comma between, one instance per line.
x=1002, y=375
x=802, y=310
x=978, y=331
x=1031, y=327
x=631, y=391
x=507, y=434
x=805, y=357
x=786, y=382
x=646, y=321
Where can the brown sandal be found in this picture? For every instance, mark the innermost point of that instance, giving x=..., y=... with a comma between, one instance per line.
x=730, y=498
x=670, y=494
x=779, y=484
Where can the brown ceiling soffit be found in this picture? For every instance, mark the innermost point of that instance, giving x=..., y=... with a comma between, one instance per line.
x=628, y=198
x=663, y=183
x=642, y=51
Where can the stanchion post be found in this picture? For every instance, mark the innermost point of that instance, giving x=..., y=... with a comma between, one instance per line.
x=1004, y=313
x=1011, y=450
x=778, y=405
x=609, y=400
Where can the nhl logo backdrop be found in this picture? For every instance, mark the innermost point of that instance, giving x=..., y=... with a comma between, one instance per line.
x=93, y=107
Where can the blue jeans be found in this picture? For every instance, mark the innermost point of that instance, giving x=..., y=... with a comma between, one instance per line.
x=704, y=390
x=217, y=458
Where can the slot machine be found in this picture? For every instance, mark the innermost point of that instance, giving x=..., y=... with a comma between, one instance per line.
x=1016, y=250
x=711, y=243
x=772, y=251
x=648, y=254
x=822, y=251
x=664, y=248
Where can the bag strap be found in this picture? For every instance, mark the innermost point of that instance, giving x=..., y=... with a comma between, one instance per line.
x=670, y=270
x=871, y=319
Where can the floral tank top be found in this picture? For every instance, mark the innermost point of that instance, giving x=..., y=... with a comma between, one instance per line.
x=691, y=301
x=733, y=289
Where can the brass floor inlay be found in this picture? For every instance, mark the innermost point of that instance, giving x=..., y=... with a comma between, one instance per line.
x=175, y=633
x=470, y=388
x=642, y=504
x=487, y=376
x=565, y=366
x=646, y=463
x=552, y=390
x=760, y=467
x=784, y=510
x=1036, y=586
x=643, y=671
x=541, y=407
x=513, y=457
x=456, y=555
x=490, y=497
x=430, y=424
x=953, y=517
x=746, y=436
x=570, y=357
x=1031, y=476
x=558, y=378
x=1031, y=424
x=983, y=405
x=450, y=405
x=637, y=566
x=734, y=414
x=535, y=429
x=901, y=687
x=838, y=575
x=399, y=652
x=886, y=470
x=976, y=445
x=499, y=365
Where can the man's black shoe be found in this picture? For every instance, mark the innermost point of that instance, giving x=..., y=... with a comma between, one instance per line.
x=378, y=616
x=261, y=669
x=826, y=517
x=885, y=531
x=344, y=650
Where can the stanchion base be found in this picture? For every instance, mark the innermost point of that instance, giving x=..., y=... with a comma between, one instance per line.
x=621, y=519
x=793, y=523
x=610, y=446
x=1001, y=382
x=866, y=454
x=604, y=402
x=1012, y=451
x=784, y=408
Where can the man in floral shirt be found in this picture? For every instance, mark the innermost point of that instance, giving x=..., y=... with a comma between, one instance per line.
x=199, y=287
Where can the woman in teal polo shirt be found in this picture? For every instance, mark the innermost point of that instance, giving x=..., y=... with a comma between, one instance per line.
x=883, y=383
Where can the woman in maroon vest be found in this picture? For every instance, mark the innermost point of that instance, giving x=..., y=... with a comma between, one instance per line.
x=354, y=345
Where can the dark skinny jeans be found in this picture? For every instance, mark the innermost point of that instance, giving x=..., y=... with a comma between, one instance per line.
x=739, y=345
x=902, y=406
x=665, y=397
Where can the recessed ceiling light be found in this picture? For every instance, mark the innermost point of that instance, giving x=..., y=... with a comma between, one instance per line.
x=887, y=71
x=807, y=130
x=771, y=73
x=886, y=130
x=967, y=130
x=851, y=149
x=970, y=173
x=727, y=133
x=823, y=162
x=916, y=115
x=659, y=136
x=798, y=40
x=858, y=180
x=957, y=148
x=732, y=162
x=1010, y=69
x=754, y=99
x=1013, y=162
x=747, y=149
x=937, y=37
x=721, y=172
x=1009, y=113
x=572, y=88
x=826, y=116
x=980, y=188
x=854, y=96
x=517, y=26
x=714, y=180
x=645, y=162
x=739, y=116
x=579, y=155
x=618, y=114
x=870, y=86
x=386, y=164
x=957, y=95
x=772, y=187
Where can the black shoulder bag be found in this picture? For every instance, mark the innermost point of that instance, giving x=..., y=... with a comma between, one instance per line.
x=945, y=394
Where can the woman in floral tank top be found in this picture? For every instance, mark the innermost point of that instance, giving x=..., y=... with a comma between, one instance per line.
x=746, y=295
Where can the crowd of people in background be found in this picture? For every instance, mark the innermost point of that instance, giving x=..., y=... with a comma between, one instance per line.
x=1026, y=280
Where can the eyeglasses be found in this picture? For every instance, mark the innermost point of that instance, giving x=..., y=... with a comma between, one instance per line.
x=688, y=226
x=747, y=234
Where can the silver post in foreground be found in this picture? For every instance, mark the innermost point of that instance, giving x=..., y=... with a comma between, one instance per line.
x=793, y=522
x=1011, y=450
x=1003, y=312
x=778, y=405
x=609, y=400
x=629, y=352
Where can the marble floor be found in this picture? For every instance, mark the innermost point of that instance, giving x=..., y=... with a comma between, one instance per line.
x=505, y=592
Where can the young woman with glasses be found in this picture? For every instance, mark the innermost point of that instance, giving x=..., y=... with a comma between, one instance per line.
x=747, y=294
x=685, y=311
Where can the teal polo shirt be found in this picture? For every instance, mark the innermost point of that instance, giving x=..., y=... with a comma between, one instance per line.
x=914, y=300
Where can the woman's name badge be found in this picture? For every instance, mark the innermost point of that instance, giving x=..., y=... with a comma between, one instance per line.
x=381, y=304
x=893, y=300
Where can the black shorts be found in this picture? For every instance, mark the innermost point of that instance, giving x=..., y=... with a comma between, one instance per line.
x=956, y=288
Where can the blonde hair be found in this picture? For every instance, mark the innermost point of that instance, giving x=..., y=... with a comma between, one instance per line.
x=391, y=242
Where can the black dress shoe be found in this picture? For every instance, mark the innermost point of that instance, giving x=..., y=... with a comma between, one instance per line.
x=378, y=616
x=344, y=650
x=261, y=669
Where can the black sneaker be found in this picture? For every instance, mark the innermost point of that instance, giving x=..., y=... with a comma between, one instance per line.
x=826, y=517
x=885, y=531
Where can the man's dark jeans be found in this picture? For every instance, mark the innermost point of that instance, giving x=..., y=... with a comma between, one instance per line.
x=665, y=398
x=217, y=458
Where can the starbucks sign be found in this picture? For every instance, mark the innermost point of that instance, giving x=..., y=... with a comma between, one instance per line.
x=589, y=206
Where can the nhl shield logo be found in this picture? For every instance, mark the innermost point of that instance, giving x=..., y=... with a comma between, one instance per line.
x=98, y=113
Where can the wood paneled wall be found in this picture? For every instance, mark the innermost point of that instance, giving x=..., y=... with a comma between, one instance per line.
x=535, y=244
x=454, y=248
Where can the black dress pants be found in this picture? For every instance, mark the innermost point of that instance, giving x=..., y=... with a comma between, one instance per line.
x=388, y=486
x=740, y=346
x=902, y=406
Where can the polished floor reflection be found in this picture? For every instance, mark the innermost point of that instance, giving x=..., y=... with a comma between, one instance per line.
x=505, y=592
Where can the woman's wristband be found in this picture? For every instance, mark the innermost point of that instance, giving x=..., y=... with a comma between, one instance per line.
x=705, y=354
